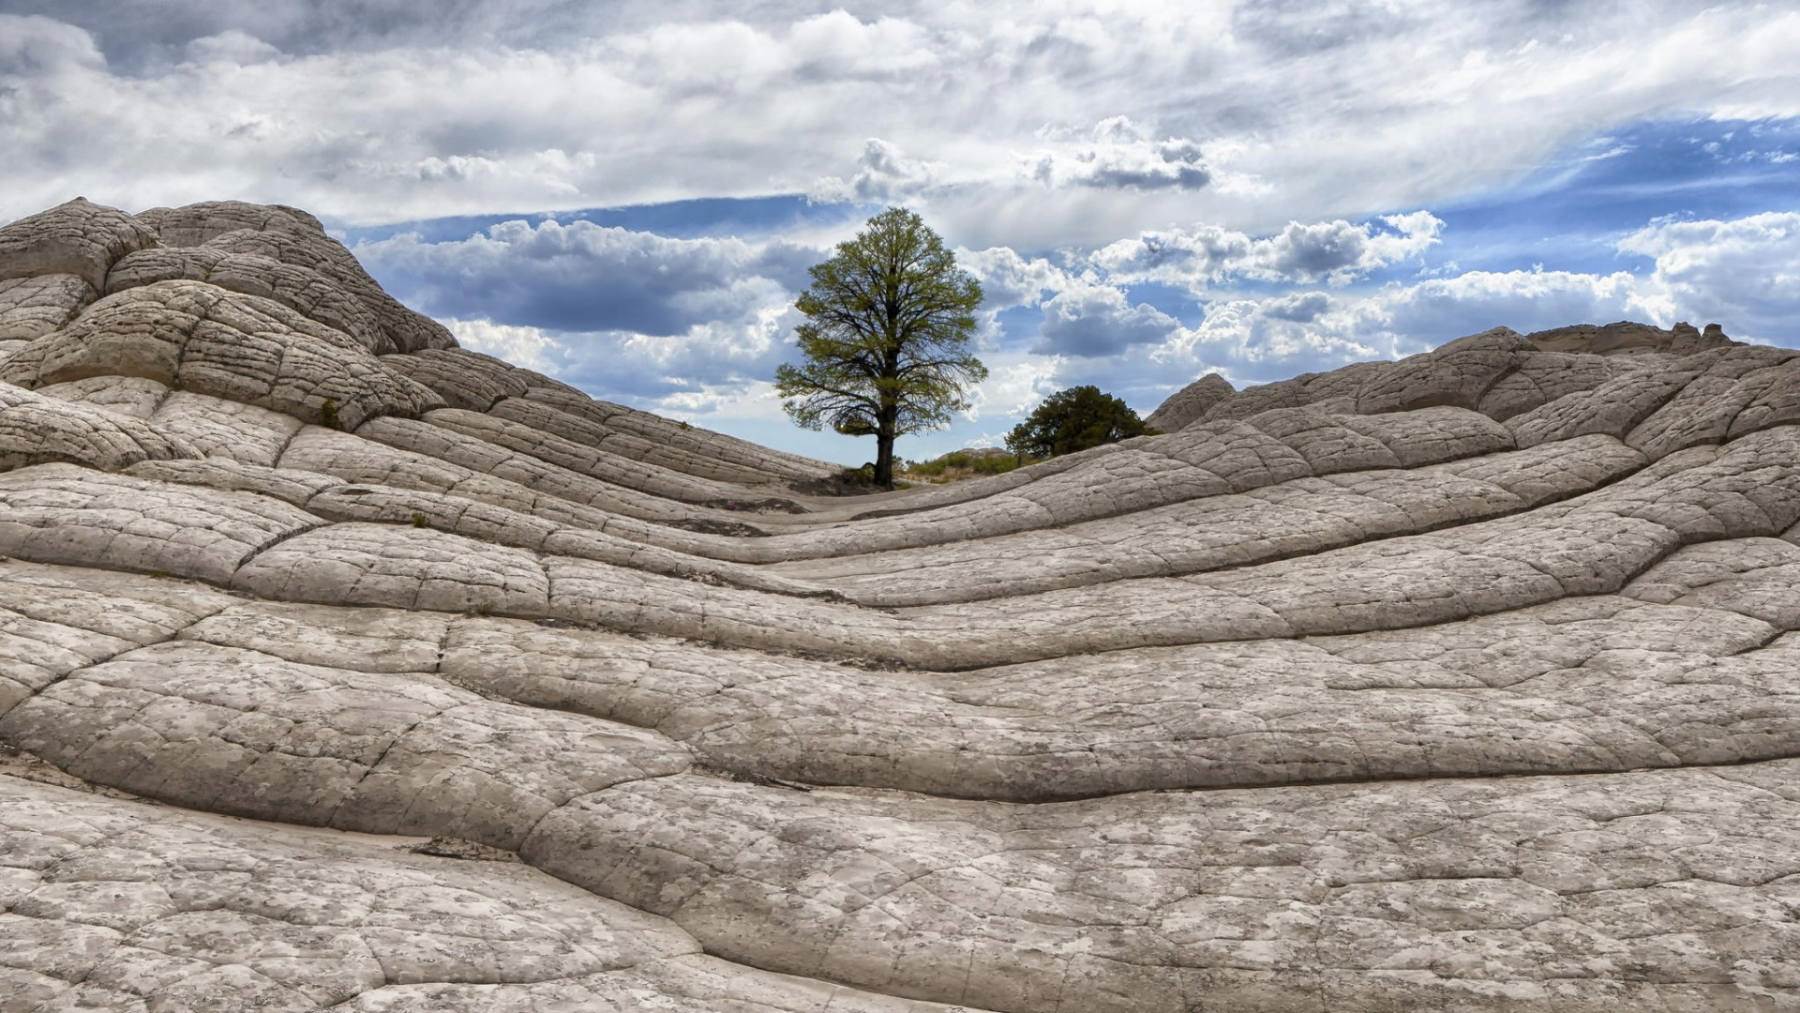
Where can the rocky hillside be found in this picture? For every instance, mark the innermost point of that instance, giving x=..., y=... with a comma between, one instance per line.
x=1468, y=681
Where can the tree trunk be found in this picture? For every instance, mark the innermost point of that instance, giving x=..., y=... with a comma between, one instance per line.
x=887, y=416
x=884, y=455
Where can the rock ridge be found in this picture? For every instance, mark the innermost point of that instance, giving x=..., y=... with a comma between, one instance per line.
x=343, y=667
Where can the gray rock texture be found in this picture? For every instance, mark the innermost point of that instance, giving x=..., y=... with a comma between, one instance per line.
x=344, y=668
x=1190, y=403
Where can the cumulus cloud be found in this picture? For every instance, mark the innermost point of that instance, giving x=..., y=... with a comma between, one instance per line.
x=373, y=111
x=1438, y=309
x=695, y=326
x=1744, y=272
x=621, y=312
x=586, y=277
x=1332, y=251
x=1121, y=154
x=1009, y=279
x=1298, y=307
x=523, y=346
x=1016, y=383
x=883, y=175
x=230, y=47
x=1088, y=319
x=33, y=45
x=1259, y=339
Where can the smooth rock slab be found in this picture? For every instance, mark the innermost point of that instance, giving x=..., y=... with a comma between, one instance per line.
x=1659, y=889
x=120, y=905
x=247, y=734
x=57, y=513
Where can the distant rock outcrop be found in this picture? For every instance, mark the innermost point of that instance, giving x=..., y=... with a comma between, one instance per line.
x=1469, y=681
x=1498, y=373
x=1190, y=403
x=1628, y=338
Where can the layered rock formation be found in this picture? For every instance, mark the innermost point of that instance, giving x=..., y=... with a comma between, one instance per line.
x=1469, y=681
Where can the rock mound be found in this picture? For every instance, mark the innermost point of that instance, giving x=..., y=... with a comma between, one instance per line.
x=1464, y=682
x=1190, y=403
x=1627, y=338
x=1498, y=373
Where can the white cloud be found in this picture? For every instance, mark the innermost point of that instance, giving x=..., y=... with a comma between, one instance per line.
x=883, y=175
x=1238, y=146
x=34, y=45
x=1092, y=319
x=1312, y=111
x=1008, y=279
x=586, y=277
x=1256, y=340
x=1297, y=307
x=1016, y=383
x=755, y=401
x=1332, y=251
x=230, y=47
x=621, y=312
x=694, y=327
x=529, y=347
x=1435, y=310
x=1120, y=154
x=1744, y=272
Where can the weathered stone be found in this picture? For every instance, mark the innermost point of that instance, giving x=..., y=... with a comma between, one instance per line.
x=77, y=238
x=1190, y=403
x=37, y=428
x=197, y=337
x=294, y=238
x=1461, y=682
x=35, y=305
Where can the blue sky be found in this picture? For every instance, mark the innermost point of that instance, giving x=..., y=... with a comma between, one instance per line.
x=628, y=195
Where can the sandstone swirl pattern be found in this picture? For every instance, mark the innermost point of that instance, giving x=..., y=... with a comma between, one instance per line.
x=1466, y=682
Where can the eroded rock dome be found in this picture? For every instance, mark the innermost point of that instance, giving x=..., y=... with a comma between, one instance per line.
x=1467, y=681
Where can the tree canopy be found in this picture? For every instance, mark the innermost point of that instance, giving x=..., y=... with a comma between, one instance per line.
x=886, y=337
x=1074, y=419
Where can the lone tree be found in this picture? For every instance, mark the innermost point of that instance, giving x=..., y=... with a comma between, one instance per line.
x=1074, y=419
x=888, y=323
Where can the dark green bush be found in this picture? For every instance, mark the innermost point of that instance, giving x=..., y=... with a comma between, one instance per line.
x=1072, y=420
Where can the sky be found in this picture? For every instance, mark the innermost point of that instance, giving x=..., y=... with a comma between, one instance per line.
x=627, y=195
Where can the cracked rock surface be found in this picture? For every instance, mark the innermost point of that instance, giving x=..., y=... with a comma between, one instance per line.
x=344, y=668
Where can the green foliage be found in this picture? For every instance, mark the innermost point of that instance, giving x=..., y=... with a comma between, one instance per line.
x=1075, y=419
x=419, y=520
x=963, y=464
x=328, y=415
x=888, y=323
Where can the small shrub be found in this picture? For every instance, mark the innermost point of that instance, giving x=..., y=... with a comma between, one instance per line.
x=959, y=464
x=328, y=414
x=419, y=520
